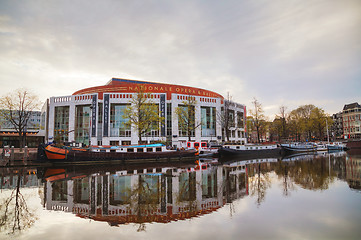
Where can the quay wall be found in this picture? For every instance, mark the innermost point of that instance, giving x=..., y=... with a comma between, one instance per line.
x=13, y=156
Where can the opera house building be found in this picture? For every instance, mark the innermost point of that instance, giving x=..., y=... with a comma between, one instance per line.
x=95, y=115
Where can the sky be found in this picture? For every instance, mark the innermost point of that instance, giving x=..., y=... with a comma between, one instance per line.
x=280, y=52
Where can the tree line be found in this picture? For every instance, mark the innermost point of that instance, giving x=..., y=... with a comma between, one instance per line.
x=305, y=123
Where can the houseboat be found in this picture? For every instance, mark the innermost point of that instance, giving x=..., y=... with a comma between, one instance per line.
x=127, y=154
x=298, y=147
x=250, y=151
x=336, y=146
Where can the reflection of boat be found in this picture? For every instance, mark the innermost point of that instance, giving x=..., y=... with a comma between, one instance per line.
x=250, y=151
x=300, y=156
x=152, y=152
x=298, y=147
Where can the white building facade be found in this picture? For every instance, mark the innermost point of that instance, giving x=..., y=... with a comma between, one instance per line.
x=94, y=116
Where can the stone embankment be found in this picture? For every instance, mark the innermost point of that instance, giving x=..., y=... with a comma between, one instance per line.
x=11, y=156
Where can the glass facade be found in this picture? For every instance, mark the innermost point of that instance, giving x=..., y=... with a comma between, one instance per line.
x=186, y=121
x=82, y=124
x=208, y=118
x=81, y=190
x=149, y=191
x=61, y=123
x=187, y=186
x=118, y=126
x=120, y=187
x=169, y=119
x=209, y=184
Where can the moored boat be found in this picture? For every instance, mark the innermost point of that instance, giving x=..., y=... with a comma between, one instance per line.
x=250, y=150
x=336, y=146
x=298, y=147
x=131, y=153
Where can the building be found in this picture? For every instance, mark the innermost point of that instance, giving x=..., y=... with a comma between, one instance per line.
x=351, y=115
x=95, y=115
x=337, y=127
x=10, y=137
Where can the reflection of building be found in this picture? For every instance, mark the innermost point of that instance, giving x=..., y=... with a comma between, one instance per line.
x=9, y=178
x=353, y=172
x=352, y=120
x=96, y=115
x=146, y=195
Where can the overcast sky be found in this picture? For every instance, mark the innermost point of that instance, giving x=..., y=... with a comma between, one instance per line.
x=281, y=52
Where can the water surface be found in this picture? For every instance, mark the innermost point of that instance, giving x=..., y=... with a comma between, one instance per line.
x=302, y=197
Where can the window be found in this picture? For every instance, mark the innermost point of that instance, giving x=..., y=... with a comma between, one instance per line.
x=149, y=149
x=130, y=150
x=208, y=121
x=119, y=126
x=61, y=123
x=82, y=124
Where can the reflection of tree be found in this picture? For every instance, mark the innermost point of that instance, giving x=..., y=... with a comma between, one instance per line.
x=313, y=175
x=144, y=199
x=259, y=183
x=187, y=191
x=283, y=170
x=15, y=215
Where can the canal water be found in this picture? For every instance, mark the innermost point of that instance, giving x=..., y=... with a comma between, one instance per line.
x=298, y=197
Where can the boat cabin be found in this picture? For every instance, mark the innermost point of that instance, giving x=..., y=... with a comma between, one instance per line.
x=131, y=148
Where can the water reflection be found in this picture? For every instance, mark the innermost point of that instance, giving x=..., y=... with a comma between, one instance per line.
x=120, y=195
x=14, y=212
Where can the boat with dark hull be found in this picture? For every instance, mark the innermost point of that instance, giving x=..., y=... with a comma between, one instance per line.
x=132, y=153
x=290, y=148
x=249, y=151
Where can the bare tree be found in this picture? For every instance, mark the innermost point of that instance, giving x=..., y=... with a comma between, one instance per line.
x=16, y=108
x=258, y=116
x=224, y=117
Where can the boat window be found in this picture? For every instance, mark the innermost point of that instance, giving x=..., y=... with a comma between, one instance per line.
x=130, y=150
x=204, y=144
x=102, y=150
x=140, y=150
x=149, y=149
x=112, y=150
x=158, y=149
x=188, y=144
x=237, y=147
x=196, y=144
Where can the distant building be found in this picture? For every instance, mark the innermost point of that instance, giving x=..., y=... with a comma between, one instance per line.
x=337, y=127
x=10, y=137
x=351, y=116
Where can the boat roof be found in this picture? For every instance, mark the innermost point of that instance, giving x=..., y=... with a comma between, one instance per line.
x=131, y=146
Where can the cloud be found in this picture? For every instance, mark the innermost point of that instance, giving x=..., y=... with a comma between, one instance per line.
x=279, y=52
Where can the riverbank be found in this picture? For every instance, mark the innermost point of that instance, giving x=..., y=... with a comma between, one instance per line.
x=15, y=157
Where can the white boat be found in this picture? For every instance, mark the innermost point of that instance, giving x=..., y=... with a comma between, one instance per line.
x=321, y=147
x=250, y=150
